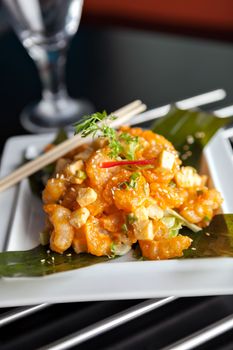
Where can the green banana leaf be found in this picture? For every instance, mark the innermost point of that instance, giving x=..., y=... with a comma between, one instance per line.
x=40, y=261
x=189, y=131
x=214, y=240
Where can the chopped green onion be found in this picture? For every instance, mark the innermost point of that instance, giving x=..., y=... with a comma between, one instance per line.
x=81, y=174
x=131, y=218
x=124, y=228
x=133, y=180
x=132, y=183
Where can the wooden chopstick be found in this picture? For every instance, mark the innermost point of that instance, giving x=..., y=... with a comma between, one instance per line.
x=123, y=115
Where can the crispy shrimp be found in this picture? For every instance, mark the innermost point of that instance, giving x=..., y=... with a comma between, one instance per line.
x=165, y=248
x=96, y=175
x=54, y=190
x=63, y=232
x=200, y=210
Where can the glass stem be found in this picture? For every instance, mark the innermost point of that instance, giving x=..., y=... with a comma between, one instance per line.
x=51, y=64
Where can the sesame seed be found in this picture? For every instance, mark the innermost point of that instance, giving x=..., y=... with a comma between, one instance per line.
x=57, y=176
x=72, y=189
x=184, y=156
x=190, y=139
x=200, y=135
x=189, y=153
x=48, y=251
x=69, y=254
x=207, y=234
x=42, y=261
x=194, y=248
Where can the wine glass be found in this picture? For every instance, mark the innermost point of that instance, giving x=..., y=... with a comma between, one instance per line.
x=45, y=27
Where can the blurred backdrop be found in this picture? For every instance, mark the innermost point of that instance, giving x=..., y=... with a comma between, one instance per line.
x=158, y=51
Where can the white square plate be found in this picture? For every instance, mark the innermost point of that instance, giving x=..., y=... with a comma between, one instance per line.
x=123, y=278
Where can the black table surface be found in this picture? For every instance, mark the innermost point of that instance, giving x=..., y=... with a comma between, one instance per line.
x=113, y=66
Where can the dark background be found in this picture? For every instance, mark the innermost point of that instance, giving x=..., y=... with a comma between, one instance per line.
x=112, y=65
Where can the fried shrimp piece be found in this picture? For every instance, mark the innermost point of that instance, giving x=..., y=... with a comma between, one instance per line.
x=113, y=222
x=187, y=177
x=126, y=194
x=165, y=248
x=79, y=243
x=63, y=232
x=79, y=217
x=69, y=198
x=54, y=190
x=158, y=175
x=98, y=240
x=168, y=196
x=112, y=184
x=96, y=175
x=201, y=209
x=97, y=207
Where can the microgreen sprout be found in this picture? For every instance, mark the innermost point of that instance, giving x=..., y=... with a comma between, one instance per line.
x=123, y=145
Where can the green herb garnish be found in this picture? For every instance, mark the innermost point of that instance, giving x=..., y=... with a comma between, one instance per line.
x=133, y=180
x=97, y=123
x=131, y=218
x=81, y=174
x=90, y=124
x=132, y=183
x=113, y=250
x=124, y=228
x=116, y=147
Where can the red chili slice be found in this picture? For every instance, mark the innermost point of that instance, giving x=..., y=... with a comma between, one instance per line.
x=127, y=162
